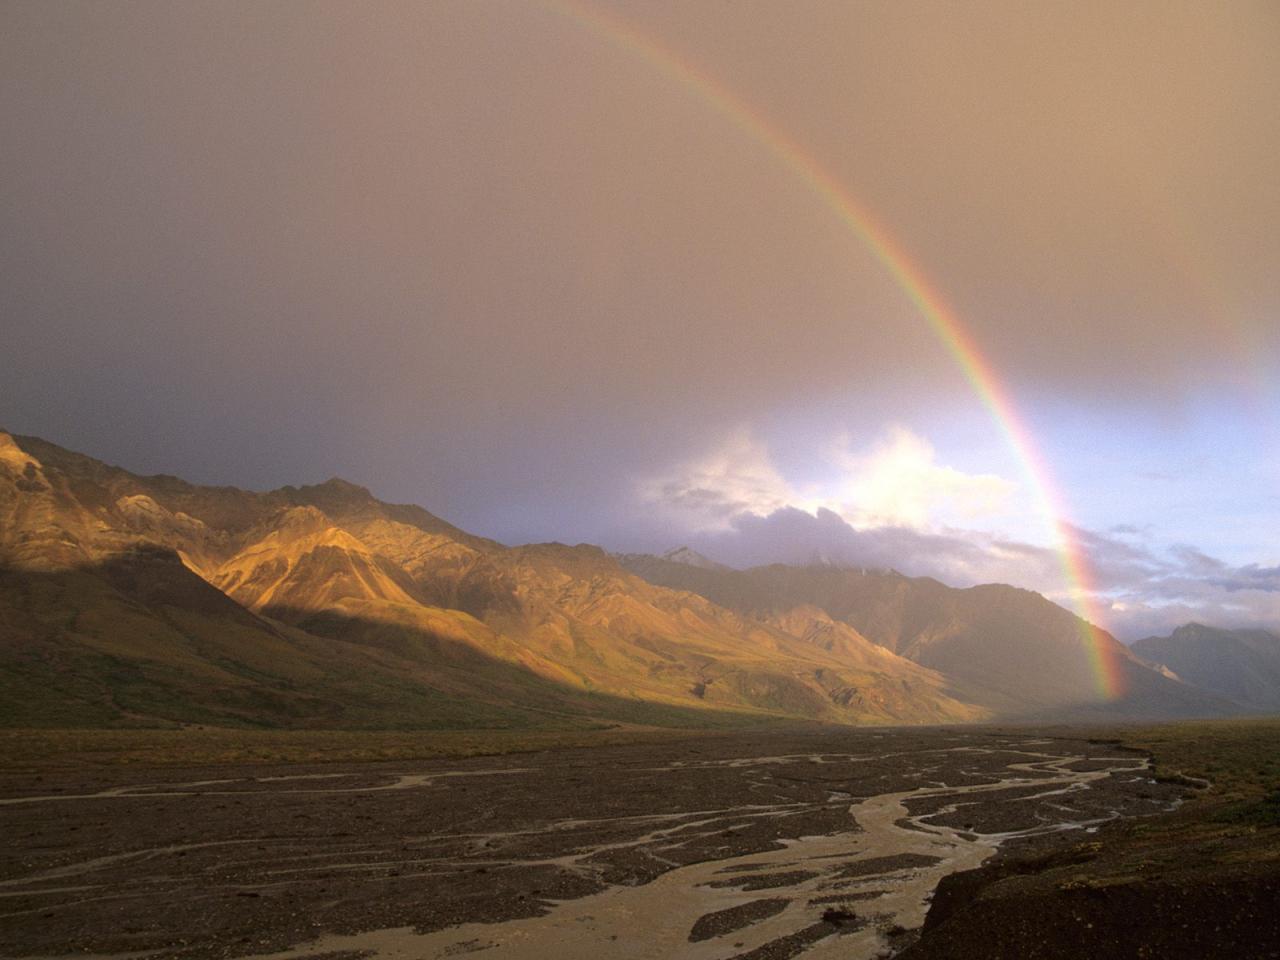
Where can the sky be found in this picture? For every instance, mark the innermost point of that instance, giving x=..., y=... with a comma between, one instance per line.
x=616, y=272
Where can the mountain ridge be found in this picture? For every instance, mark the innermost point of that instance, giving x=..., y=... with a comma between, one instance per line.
x=446, y=619
x=1029, y=646
x=1243, y=664
x=331, y=562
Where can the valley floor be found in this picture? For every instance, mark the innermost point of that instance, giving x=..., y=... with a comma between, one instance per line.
x=1200, y=882
x=754, y=844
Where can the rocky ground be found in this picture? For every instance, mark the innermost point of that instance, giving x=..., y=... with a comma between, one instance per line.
x=1200, y=882
x=772, y=844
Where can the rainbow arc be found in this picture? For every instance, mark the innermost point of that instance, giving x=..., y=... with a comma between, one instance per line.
x=1104, y=657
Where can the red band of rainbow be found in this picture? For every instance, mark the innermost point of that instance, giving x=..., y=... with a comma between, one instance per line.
x=1102, y=652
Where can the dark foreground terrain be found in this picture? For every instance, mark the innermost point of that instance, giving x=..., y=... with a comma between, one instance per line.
x=1200, y=882
x=761, y=845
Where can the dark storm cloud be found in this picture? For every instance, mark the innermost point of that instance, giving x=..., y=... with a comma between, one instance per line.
x=1251, y=577
x=790, y=535
x=1139, y=590
x=711, y=503
x=1196, y=561
x=478, y=257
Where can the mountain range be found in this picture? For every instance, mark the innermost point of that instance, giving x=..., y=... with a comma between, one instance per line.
x=1241, y=665
x=136, y=600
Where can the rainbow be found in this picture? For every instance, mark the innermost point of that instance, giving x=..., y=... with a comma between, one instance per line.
x=1105, y=659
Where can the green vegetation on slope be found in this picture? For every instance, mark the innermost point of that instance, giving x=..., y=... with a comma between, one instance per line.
x=1240, y=759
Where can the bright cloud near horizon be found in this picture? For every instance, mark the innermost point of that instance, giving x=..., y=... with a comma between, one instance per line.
x=584, y=273
x=894, y=482
x=892, y=505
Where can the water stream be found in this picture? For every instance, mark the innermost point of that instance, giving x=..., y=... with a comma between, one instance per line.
x=654, y=920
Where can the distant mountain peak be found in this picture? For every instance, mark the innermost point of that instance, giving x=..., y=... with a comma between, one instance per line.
x=1242, y=664
x=338, y=485
x=184, y=580
x=335, y=494
x=692, y=558
x=1203, y=633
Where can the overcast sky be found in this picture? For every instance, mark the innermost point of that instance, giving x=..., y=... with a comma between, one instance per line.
x=485, y=257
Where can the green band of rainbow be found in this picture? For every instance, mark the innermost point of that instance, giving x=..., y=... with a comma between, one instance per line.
x=1102, y=652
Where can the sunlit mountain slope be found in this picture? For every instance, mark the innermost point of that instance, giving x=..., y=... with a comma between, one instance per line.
x=127, y=598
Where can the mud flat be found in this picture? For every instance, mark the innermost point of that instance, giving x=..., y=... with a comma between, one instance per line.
x=814, y=844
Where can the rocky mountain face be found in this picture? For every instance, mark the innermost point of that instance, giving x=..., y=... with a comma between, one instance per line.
x=130, y=599
x=1243, y=665
x=1008, y=650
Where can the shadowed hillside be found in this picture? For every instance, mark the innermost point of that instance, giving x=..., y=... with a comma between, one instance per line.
x=127, y=599
x=1241, y=664
x=1009, y=650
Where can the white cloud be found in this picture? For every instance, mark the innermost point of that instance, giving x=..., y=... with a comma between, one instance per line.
x=896, y=482
x=735, y=479
x=899, y=483
x=892, y=504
